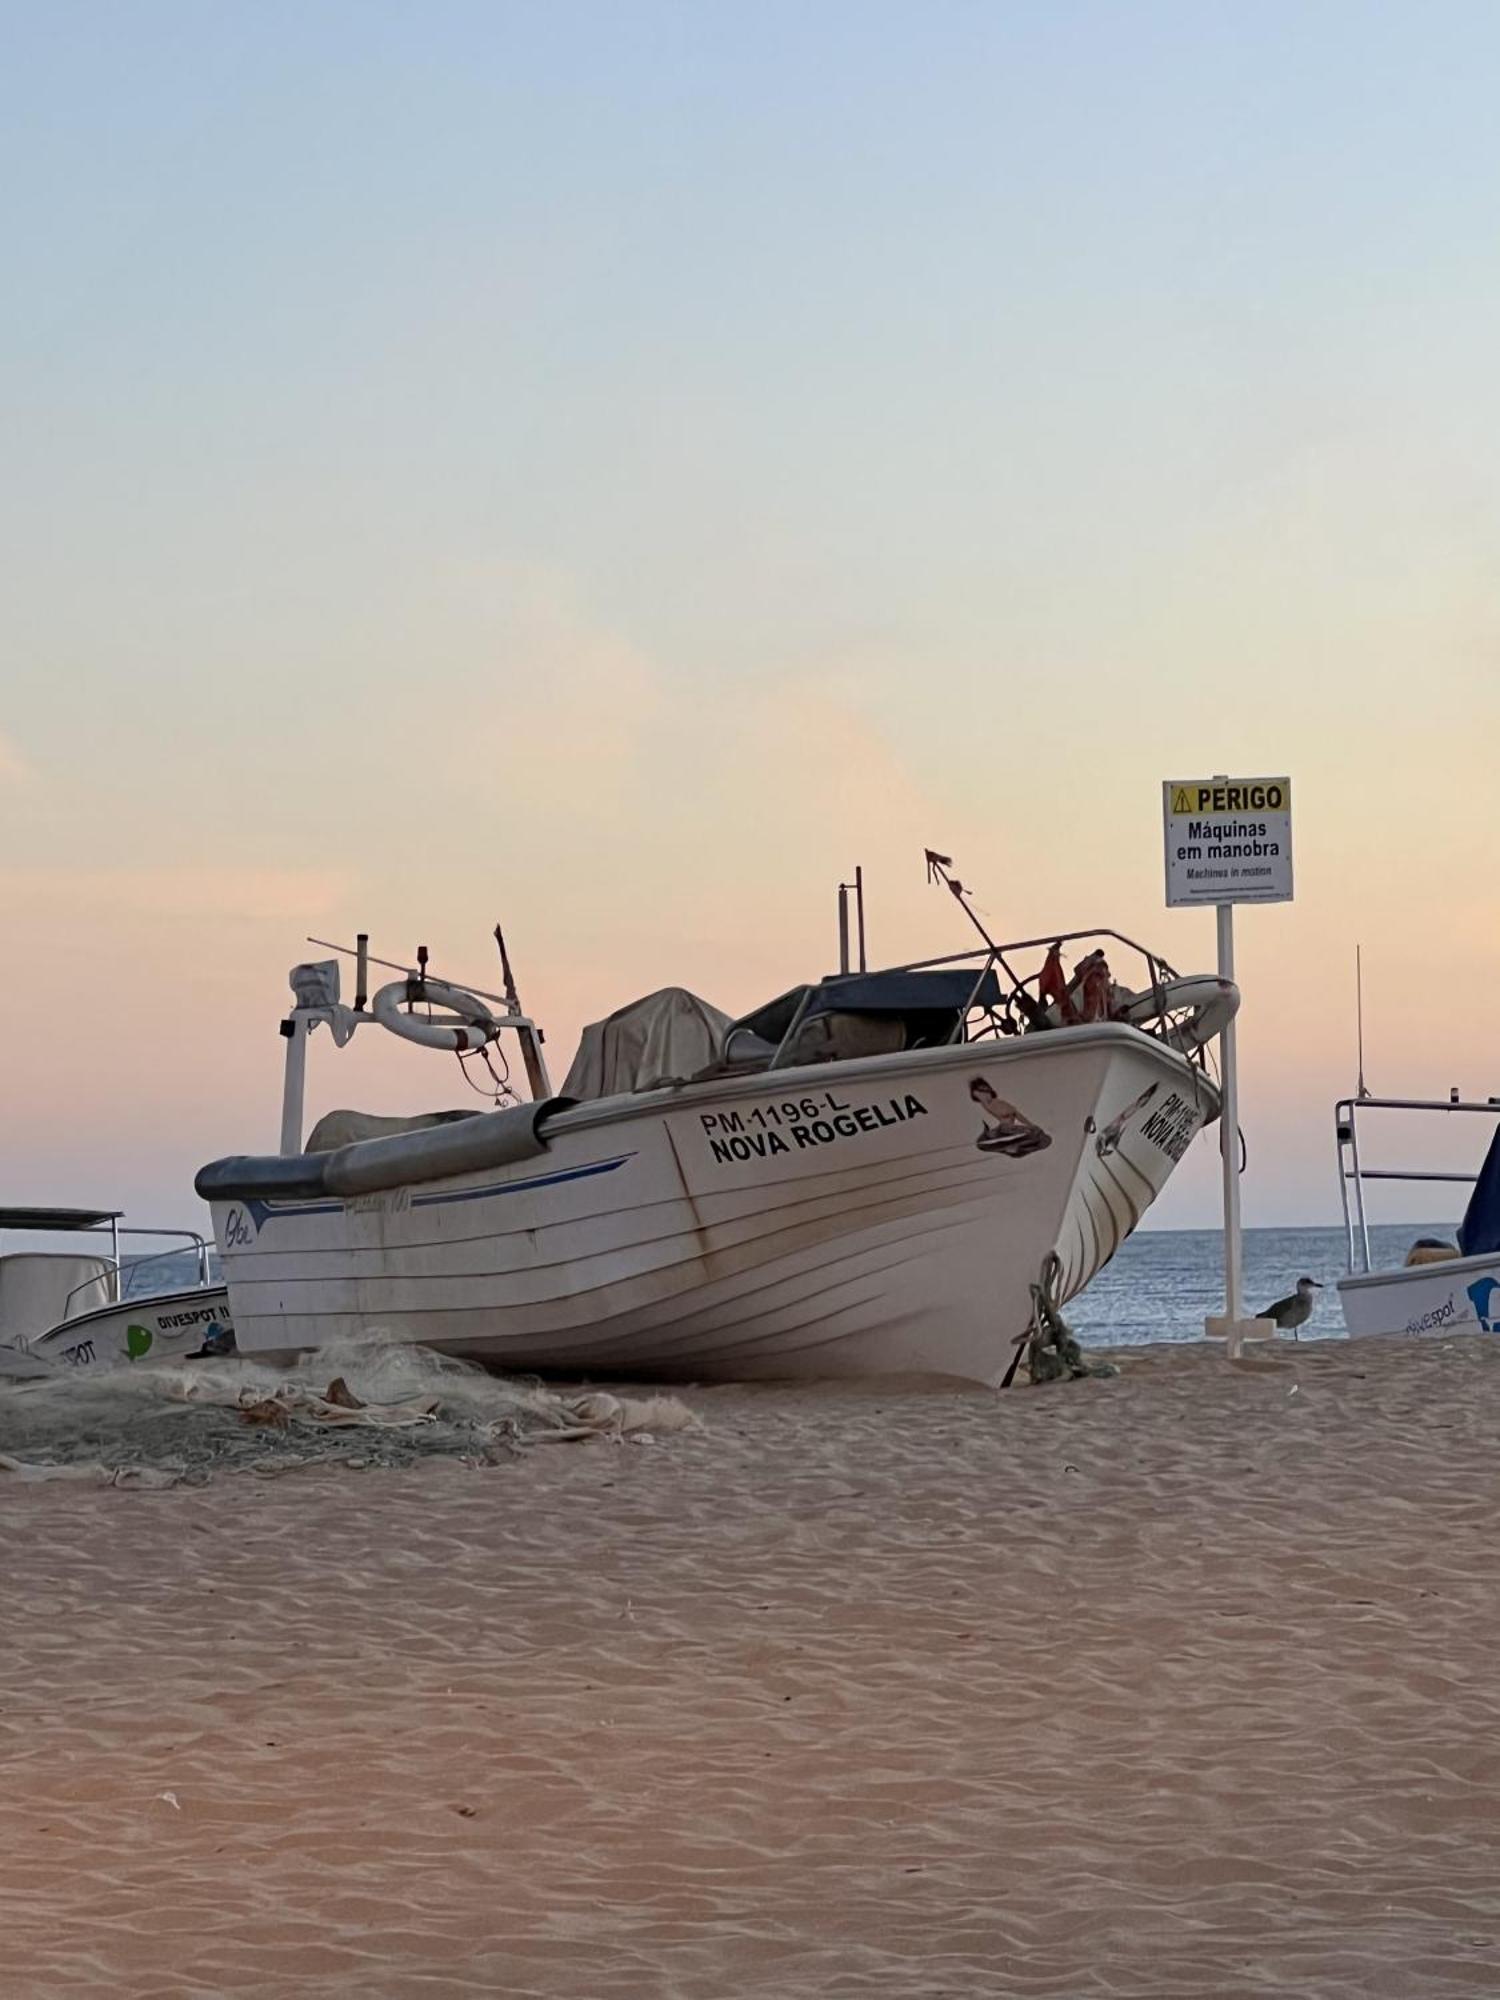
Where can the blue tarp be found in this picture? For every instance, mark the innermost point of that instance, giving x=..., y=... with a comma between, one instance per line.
x=1480, y=1229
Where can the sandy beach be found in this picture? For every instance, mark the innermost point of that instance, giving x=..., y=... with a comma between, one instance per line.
x=1185, y=1683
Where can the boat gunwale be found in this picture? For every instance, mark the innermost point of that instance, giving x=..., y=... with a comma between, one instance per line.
x=1438, y=1268
x=146, y=1304
x=602, y=1111
x=271, y=1179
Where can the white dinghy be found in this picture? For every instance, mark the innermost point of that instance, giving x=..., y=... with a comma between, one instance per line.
x=85, y=1307
x=1444, y=1287
x=866, y=1176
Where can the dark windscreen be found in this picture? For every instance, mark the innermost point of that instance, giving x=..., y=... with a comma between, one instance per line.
x=1480, y=1229
x=929, y=1002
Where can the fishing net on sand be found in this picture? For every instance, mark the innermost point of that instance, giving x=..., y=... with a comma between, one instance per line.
x=359, y=1403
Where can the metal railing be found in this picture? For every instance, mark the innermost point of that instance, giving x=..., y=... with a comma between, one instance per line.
x=1020, y=1009
x=1352, y=1172
x=110, y=1281
x=1021, y=1005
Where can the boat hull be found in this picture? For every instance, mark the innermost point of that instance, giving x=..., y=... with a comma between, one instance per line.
x=161, y=1328
x=888, y=1215
x=1456, y=1295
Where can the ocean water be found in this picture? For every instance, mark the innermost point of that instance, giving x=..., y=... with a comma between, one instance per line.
x=1164, y=1282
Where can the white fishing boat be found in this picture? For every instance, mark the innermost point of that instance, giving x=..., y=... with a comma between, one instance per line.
x=87, y=1307
x=1444, y=1286
x=868, y=1175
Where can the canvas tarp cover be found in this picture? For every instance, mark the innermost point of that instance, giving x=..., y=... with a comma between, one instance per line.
x=661, y=1039
x=40, y=1287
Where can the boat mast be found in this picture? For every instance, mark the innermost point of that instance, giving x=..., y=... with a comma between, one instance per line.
x=294, y=1083
x=527, y=1033
x=317, y=999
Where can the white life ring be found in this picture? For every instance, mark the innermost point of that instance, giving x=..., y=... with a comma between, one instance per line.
x=1208, y=1003
x=475, y=1025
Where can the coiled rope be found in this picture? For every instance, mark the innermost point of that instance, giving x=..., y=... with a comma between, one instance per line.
x=1049, y=1346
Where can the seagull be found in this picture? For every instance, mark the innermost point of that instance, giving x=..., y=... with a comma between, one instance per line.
x=1296, y=1309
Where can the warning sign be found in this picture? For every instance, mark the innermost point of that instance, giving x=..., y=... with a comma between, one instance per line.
x=1228, y=840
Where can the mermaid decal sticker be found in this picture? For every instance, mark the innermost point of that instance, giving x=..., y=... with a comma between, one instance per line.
x=1109, y=1139
x=1006, y=1129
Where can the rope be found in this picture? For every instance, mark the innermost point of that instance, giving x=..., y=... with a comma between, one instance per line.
x=1049, y=1346
x=499, y=1087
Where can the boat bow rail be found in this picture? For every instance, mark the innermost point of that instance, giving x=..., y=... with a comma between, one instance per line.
x=371, y=1166
x=981, y=995
x=1353, y=1172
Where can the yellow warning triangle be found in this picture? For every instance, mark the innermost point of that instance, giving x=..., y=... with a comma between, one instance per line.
x=1181, y=803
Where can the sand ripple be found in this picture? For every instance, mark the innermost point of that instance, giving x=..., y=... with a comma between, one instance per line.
x=1182, y=1684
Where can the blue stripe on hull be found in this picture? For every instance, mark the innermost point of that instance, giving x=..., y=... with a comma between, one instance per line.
x=262, y=1212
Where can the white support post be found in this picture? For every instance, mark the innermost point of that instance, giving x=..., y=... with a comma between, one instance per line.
x=294, y=1086
x=1232, y=1327
x=1229, y=1132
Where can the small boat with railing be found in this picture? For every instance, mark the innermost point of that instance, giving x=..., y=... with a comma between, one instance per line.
x=1445, y=1285
x=92, y=1305
x=869, y=1174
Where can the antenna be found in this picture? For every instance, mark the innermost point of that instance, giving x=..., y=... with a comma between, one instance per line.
x=858, y=886
x=939, y=867
x=529, y=1035
x=1359, y=1015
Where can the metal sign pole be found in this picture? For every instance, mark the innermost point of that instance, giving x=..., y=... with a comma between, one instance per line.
x=1229, y=1134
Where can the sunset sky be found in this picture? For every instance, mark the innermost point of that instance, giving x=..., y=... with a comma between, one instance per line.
x=613, y=468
